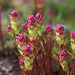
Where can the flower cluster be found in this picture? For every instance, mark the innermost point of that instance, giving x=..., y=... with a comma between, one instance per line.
x=28, y=57
x=73, y=41
x=39, y=18
x=63, y=60
x=9, y=29
x=27, y=50
x=72, y=35
x=24, y=26
x=49, y=30
x=21, y=62
x=62, y=56
x=60, y=29
x=31, y=20
x=14, y=15
x=39, y=1
x=60, y=35
x=21, y=38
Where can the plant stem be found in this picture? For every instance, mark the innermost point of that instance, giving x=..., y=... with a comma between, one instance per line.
x=73, y=67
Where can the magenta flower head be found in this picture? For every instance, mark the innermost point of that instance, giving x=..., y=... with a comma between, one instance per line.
x=60, y=29
x=51, y=12
x=27, y=71
x=24, y=26
x=14, y=15
x=40, y=1
x=21, y=38
x=31, y=20
x=63, y=60
x=73, y=41
x=49, y=29
x=39, y=18
x=21, y=62
x=72, y=35
x=60, y=35
x=9, y=29
x=33, y=42
x=62, y=56
x=27, y=50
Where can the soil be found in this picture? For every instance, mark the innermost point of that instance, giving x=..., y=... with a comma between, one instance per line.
x=9, y=65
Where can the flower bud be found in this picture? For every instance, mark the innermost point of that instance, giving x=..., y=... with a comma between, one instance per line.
x=62, y=56
x=24, y=26
x=14, y=15
x=27, y=50
x=21, y=38
x=49, y=30
x=31, y=20
x=27, y=71
x=9, y=29
x=39, y=18
x=21, y=62
x=51, y=12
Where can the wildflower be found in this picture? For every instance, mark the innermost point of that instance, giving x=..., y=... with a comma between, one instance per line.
x=62, y=56
x=27, y=50
x=21, y=62
x=73, y=41
x=31, y=20
x=60, y=35
x=21, y=38
x=51, y=12
x=49, y=30
x=72, y=35
x=39, y=18
x=39, y=1
x=9, y=28
x=14, y=15
x=27, y=71
x=24, y=26
x=33, y=42
x=60, y=29
x=63, y=60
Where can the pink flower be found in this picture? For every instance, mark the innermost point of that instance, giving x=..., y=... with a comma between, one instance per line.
x=21, y=62
x=49, y=28
x=51, y=12
x=39, y=18
x=62, y=55
x=14, y=15
x=21, y=38
x=72, y=34
x=9, y=28
x=33, y=42
x=44, y=32
x=31, y=20
x=40, y=1
x=60, y=29
x=27, y=71
x=27, y=50
x=24, y=26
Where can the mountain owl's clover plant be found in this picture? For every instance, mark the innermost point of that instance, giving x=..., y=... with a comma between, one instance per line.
x=73, y=41
x=60, y=35
x=63, y=60
x=14, y=17
x=35, y=44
